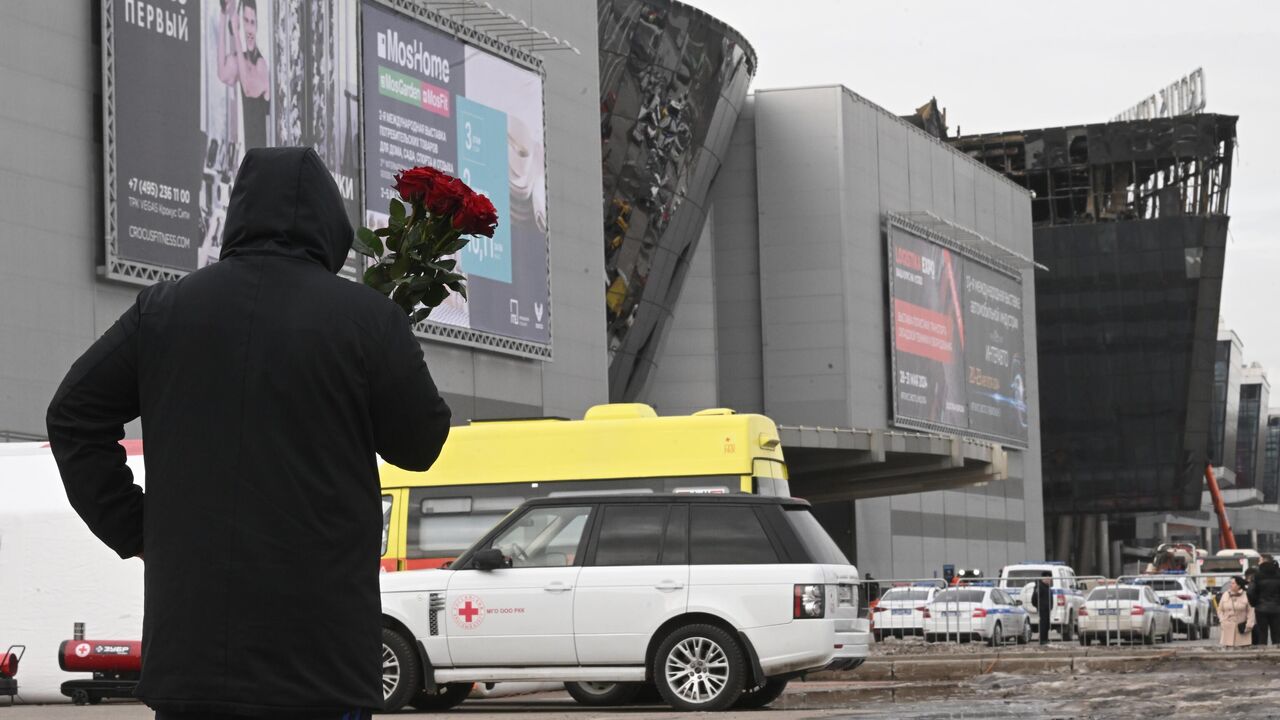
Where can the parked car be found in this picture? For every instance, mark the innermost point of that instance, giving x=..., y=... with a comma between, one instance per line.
x=1128, y=612
x=1189, y=604
x=976, y=613
x=900, y=610
x=715, y=600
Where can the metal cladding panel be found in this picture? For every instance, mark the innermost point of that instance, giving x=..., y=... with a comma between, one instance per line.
x=891, y=144
x=920, y=170
x=944, y=181
x=672, y=82
x=965, y=192
x=1124, y=325
x=867, y=365
x=984, y=184
x=1003, y=209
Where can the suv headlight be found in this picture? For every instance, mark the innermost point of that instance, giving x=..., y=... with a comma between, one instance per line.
x=810, y=602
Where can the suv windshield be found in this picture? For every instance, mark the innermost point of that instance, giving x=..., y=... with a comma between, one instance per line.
x=817, y=543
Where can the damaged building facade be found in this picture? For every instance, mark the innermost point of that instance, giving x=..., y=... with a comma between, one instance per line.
x=1131, y=220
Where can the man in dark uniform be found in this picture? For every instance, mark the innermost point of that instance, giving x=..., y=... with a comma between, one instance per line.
x=1042, y=601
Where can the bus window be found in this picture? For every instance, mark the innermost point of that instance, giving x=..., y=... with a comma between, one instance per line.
x=444, y=527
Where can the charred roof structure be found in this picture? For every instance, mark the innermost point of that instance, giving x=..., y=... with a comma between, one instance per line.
x=1143, y=169
x=1131, y=219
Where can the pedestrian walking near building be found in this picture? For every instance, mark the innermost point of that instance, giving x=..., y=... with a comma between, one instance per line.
x=1264, y=596
x=265, y=384
x=1042, y=601
x=1236, y=614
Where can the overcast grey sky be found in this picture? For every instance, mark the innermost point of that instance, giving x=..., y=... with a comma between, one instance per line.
x=1022, y=65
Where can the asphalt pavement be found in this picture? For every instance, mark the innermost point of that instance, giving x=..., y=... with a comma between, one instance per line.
x=924, y=682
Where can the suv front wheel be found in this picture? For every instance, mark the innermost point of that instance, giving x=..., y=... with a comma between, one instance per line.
x=401, y=676
x=699, y=668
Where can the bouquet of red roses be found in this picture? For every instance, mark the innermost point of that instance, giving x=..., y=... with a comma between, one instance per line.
x=412, y=255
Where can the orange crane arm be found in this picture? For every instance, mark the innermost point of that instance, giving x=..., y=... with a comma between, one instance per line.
x=1226, y=537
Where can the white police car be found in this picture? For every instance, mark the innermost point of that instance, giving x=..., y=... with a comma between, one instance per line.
x=978, y=613
x=1124, y=611
x=718, y=601
x=1189, y=606
x=899, y=612
x=1068, y=596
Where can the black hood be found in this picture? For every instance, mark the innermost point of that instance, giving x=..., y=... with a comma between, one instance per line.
x=285, y=202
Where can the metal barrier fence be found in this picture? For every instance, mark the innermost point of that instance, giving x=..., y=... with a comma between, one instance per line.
x=999, y=611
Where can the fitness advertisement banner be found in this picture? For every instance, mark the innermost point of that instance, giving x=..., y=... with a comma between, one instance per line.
x=431, y=99
x=956, y=339
x=197, y=83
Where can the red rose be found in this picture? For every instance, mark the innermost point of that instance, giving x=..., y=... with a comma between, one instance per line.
x=414, y=184
x=446, y=195
x=476, y=216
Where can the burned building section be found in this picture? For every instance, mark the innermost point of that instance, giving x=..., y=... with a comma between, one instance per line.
x=1131, y=219
x=672, y=82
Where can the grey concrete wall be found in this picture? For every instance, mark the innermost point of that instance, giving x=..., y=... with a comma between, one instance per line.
x=830, y=164
x=50, y=219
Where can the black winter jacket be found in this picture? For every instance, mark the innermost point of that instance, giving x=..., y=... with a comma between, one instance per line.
x=1264, y=591
x=265, y=385
x=1042, y=597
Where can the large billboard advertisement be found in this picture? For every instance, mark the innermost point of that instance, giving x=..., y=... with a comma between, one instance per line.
x=432, y=99
x=956, y=339
x=192, y=86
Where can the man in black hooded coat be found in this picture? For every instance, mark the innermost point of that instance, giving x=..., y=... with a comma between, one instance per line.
x=1264, y=596
x=265, y=385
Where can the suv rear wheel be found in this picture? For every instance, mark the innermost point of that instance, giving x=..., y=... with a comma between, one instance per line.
x=401, y=676
x=699, y=668
x=603, y=694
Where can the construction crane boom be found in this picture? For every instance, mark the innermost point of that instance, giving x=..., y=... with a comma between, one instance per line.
x=1226, y=538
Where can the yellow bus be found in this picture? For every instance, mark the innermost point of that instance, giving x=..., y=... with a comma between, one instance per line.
x=487, y=468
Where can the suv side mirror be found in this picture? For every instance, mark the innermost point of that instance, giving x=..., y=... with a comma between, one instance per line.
x=489, y=559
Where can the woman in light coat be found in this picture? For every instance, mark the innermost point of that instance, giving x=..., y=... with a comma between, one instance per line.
x=1233, y=609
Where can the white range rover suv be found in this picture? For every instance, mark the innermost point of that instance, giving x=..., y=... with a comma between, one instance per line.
x=717, y=601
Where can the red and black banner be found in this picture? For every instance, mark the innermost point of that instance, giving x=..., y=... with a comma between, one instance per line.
x=956, y=338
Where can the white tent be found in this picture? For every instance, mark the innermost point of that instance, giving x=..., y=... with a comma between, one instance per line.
x=55, y=573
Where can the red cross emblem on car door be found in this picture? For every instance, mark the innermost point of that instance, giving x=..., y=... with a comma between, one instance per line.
x=468, y=612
